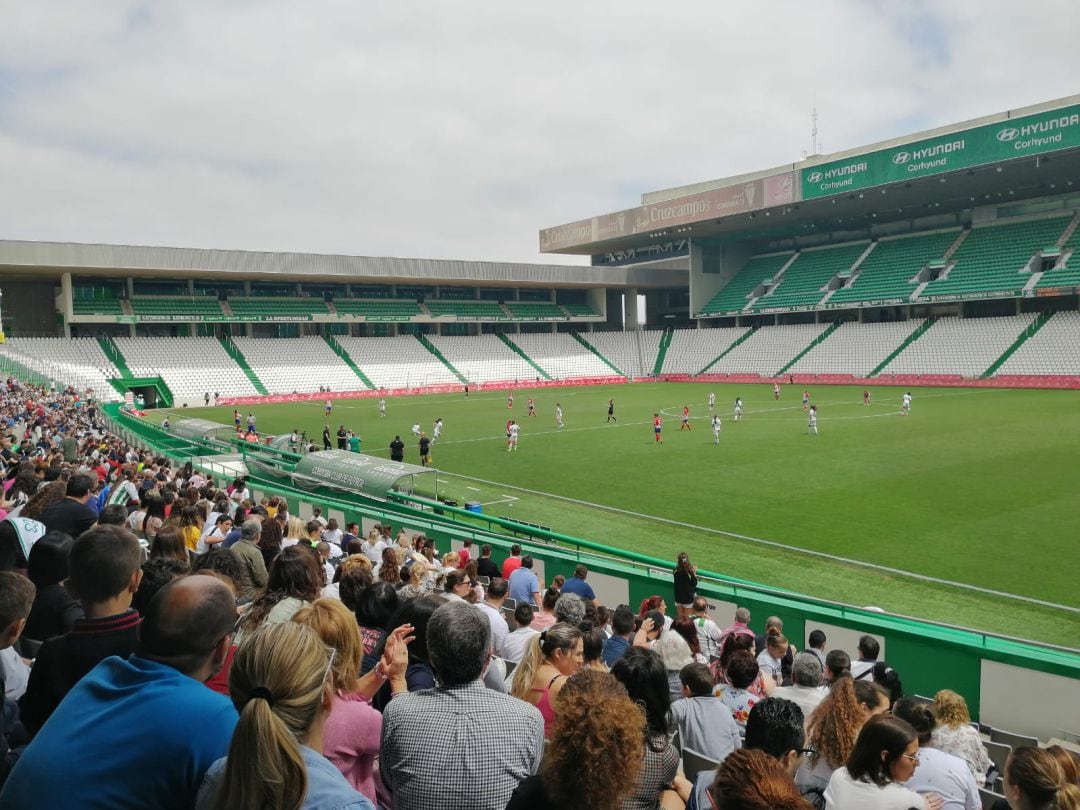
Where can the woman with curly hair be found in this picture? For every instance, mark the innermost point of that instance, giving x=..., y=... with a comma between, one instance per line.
x=954, y=735
x=753, y=780
x=390, y=567
x=294, y=581
x=269, y=543
x=44, y=498
x=832, y=729
x=597, y=725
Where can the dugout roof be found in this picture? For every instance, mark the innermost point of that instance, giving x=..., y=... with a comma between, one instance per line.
x=356, y=472
x=1018, y=154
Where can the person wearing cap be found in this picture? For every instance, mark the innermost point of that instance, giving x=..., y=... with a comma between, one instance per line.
x=252, y=577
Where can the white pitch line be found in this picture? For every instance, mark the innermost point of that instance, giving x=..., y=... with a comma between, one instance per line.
x=784, y=546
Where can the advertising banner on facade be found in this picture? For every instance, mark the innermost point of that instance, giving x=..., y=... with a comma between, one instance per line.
x=1017, y=137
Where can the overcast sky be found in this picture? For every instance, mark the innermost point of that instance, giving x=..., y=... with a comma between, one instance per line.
x=458, y=130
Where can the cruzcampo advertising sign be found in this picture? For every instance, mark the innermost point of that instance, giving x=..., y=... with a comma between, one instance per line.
x=1013, y=138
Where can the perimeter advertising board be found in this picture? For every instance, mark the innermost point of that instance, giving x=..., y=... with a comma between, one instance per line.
x=1017, y=137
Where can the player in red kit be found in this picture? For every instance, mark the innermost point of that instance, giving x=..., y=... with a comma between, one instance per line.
x=685, y=418
x=657, y=426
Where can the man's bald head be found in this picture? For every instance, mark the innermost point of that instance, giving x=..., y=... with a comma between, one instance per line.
x=186, y=621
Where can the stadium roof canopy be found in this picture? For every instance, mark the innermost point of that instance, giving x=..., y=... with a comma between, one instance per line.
x=356, y=472
x=56, y=258
x=1029, y=152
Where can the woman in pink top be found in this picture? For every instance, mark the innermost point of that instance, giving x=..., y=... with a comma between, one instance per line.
x=551, y=658
x=545, y=616
x=352, y=730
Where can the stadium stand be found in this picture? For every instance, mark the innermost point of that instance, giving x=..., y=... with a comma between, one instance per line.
x=1067, y=273
x=171, y=306
x=535, y=311
x=483, y=358
x=581, y=310
x=963, y=346
x=1054, y=349
x=304, y=364
x=97, y=306
x=190, y=367
x=79, y=361
x=376, y=309
x=396, y=362
x=768, y=350
x=855, y=348
x=803, y=282
x=561, y=356
x=992, y=259
x=889, y=271
x=693, y=349
x=487, y=310
x=738, y=292
x=270, y=307
x=633, y=353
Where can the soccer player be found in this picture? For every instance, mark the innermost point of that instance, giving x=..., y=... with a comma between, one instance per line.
x=165, y=424
x=558, y=415
x=611, y=411
x=251, y=422
x=236, y=417
x=738, y=409
x=905, y=408
x=866, y=396
x=509, y=422
x=416, y=429
x=716, y=428
x=712, y=401
x=382, y=406
x=466, y=390
x=685, y=418
x=657, y=426
x=436, y=430
x=513, y=442
x=532, y=408
x=510, y=400
x=206, y=399
x=327, y=408
x=805, y=400
x=776, y=391
x=811, y=426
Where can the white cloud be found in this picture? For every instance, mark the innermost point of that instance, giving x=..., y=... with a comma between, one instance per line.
x=459, y=130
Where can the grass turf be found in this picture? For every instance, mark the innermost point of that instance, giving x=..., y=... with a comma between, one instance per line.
x=974, y=486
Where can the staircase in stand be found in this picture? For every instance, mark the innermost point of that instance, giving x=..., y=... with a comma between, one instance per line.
x=517, y=350
x=596, y=351
x=241, y=361
x=427, y=344
x=344, y=355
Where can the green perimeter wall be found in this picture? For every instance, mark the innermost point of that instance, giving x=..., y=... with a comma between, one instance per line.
x=928, y=657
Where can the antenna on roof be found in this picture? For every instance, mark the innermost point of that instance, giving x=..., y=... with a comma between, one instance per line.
x=815, y=146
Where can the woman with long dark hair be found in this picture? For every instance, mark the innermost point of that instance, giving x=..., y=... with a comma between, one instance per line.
x=54, y=610
x=685, y=584
x=293, y=582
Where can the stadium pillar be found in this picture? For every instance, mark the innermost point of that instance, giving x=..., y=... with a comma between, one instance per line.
x=67, y=306
x=630, y=309
x=130, y=286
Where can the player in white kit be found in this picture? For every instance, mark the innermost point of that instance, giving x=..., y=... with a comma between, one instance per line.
x=416, y=429
x=558, y=415
x=436, y=430
x=712, y=401
x=382, y=407
x=905, y=408
x=738, y=409
x=716, y=428
x=513, y=443
x=811, y=426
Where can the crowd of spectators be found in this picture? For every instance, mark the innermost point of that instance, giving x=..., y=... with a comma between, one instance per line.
x=167, y=641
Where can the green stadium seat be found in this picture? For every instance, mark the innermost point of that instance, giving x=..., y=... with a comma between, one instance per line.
x=97, y=306
x=467, y=309
x=189, y=305
x=735, y=295
x=383, y=308
x=259, y=306
x=801, y=284
x=580, y=310
x=887, y=273
x=528, y=310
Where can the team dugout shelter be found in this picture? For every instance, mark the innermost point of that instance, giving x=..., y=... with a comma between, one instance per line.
x=975, y=218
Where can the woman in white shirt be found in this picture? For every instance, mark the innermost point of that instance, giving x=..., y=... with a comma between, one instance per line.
x=937, y=772
x=886, y=752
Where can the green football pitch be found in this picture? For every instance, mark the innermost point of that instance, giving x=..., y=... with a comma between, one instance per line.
x=964, y=511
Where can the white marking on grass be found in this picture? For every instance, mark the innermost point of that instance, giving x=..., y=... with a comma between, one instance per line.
x=784, y=546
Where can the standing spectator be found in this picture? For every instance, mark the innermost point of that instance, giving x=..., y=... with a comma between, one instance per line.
x=816, y=645
x=105, y=566
x=685, y=584
x=485, y=566
x=270, y=539
x=869, y=649
x=708, y=632
x=374, y=546
x=153, y=727
x=622, y=631
x=71, y=515
x=524, y=586
x=511, y=563
x=279, y=685
x=500, y=737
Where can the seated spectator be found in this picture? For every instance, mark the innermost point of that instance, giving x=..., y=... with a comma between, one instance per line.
x=707, y=631
x=390, y=568
x=223, y=525
x=655, y=604
x=685, y=627
x=659, y=783
x=1034, y=780
x=570, y=609
x=937, y=772
x=577, y=585
x=105, y=574
x=889, y=680
x=885, y=754
x=373, y=547
x=742, y=670
x=269, y=543
x=294, y=581
x=153, y=727
x=740, y=627
x=869, y=649
x=545, y=616
x=279, y=685
x=55, y=609
x=169, y=542
x=597, y=725
x=350, y=735
x=112, y=514
x=16, y=598
x=806, y=682
x=492, y=605
x=816, y=646
x=675, y=654
x=837, y=665
x=954, y=734
x=622, y=630
x=500, y=737
x=753, y=780
x=251, y=576
x=554, y=656
x=519, y=639
x=157, y=573
x=72, y=514
x=418, y=584
x=705, y=724
x=457, y=588
x=351, y=579
x=592, y=650
x=377, y=604
x=414, y=613
x=740, y=642
x=772, y=658
x=485, y=566
x=832, y=730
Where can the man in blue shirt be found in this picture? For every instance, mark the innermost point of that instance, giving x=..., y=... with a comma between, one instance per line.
x=622, y=628
x=140, y=732
x=577, y=584
x=524, y=586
